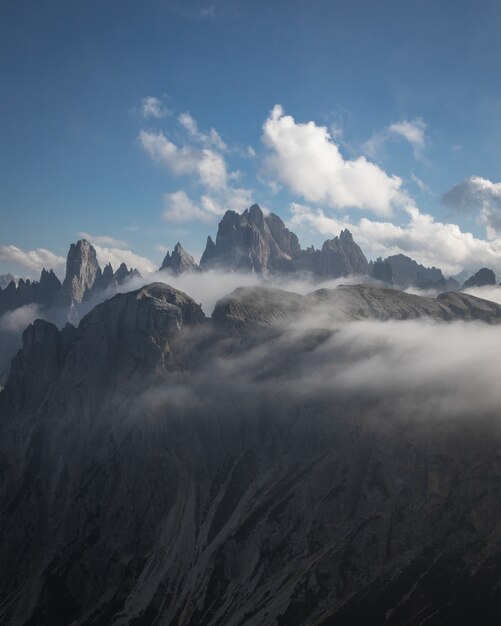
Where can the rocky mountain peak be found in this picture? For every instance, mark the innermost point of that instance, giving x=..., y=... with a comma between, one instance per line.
x=256, y=215
x=409, y=273
x=345, y=236
x=179, y=261
x=251, y=242
x=82, y=271
x=48, y=287
x=482, y=278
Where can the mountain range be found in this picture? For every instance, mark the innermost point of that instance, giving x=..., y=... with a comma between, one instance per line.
x=321, y=458
x=246, y=242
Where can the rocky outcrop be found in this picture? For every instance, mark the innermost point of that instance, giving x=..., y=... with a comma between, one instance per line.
x=179, y=261
x=482, y=278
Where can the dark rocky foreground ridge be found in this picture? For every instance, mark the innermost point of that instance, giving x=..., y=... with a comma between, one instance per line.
x=159, y=467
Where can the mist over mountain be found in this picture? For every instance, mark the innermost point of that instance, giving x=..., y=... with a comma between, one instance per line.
x=284, y=461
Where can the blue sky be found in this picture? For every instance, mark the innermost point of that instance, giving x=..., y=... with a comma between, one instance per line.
x=139, y=123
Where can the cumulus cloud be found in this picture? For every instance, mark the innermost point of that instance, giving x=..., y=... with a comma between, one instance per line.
x=33, y=260
x=208, y=165
x=478, y=196
x=426, y=240
x=201, y=159
x=179, y=208
x=304, y=157
x=152, y=107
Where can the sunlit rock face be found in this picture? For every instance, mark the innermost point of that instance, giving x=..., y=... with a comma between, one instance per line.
x=254, y=242
x=161, y=467
x=251, y=242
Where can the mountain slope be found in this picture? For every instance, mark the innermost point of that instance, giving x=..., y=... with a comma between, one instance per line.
x=159, y=467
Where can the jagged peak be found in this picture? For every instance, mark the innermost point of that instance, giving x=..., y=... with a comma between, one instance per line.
x=345, y=235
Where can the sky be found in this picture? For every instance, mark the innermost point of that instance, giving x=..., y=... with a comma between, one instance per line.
x=137, y=124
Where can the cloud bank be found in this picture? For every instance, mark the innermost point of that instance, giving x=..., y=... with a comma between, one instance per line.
x=33, y=260
x=423, y=238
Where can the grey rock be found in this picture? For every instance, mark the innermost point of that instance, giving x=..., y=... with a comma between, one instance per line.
x=482, y=278
x=250, y=242
x=408, y=273
x=253, y=242
x=179, y=261
x=338, y=257
x=82, y=271
x=44, y=292
x=260, y=306
x=381, y=271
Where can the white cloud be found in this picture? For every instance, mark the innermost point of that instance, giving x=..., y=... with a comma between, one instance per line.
x=116, y=256
x=208, y=165
x=205, y=164
x=179, y=208
x=34, y=260
x=103, y=240
x=479, y=196
x=212, y=138
x=427, y=241
x=421, y=184
x=153, y=107
x=17, y=320
x=306, y=159
x=412, y=131
x=116, y=251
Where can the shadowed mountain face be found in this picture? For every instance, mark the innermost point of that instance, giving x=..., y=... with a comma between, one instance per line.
x=482, y=278
x=160, y=467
